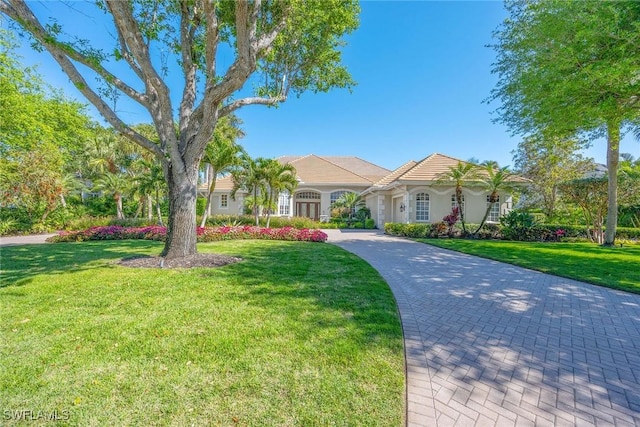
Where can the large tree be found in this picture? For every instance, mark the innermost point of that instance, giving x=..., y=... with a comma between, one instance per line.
x=40, y=131
x=290, y=45
x=547, y=162
x=571, y=68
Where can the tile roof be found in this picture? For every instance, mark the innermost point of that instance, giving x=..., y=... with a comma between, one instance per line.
x=428, y=169
x=313, y=169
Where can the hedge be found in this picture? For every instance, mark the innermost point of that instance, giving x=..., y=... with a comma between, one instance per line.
x=206, y=234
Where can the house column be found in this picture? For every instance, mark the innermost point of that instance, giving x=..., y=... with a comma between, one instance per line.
x=380, y=214
x=406, y=199
x=291, y=205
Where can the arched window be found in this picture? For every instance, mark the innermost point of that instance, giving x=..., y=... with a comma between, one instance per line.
x=308, y=195
x=337, y=194
x=422, y=207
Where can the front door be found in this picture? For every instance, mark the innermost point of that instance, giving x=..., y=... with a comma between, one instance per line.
x=308, y=209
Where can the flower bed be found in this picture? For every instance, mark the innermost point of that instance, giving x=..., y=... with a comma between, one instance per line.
x=206, y=234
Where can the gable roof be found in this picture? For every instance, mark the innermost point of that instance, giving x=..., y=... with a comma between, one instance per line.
x=429, y=169
x=313, y=169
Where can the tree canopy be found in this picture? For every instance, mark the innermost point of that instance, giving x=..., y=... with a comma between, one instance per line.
x=277, y=46
x=571, y=69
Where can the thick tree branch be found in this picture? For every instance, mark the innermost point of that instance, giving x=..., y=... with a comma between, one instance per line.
x=187, y=30
x=157, y=91
x=23, y=15
x=227, y=109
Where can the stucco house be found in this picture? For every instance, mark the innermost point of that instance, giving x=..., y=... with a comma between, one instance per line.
x=407, y=194
x=321, y=181
x=411, y=194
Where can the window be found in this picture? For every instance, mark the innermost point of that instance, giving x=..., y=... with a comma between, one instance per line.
x=284, y=205
x=337, y=194
x=494, y=213
x=224, y=201
x=422, y=207
x=454, y=203
x=308, y=195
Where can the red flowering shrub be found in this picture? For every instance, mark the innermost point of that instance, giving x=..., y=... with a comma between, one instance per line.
x=205, y=234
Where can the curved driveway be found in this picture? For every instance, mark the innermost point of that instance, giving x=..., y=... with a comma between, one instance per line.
x=490, y=344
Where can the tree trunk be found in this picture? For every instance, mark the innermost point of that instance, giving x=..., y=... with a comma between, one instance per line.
x=158, y=212
x=119, y=210
x=149, y=208
x=613, y=157
x=181, y=229
x=459, y=201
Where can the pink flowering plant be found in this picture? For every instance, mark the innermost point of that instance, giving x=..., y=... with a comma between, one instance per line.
x=205, y=234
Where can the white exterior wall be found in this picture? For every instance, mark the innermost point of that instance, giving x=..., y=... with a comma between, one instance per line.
x=440, y=204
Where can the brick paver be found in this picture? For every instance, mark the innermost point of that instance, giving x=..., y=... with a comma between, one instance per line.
x=490, y=344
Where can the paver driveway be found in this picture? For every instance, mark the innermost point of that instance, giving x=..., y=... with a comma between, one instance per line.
x=488, y=343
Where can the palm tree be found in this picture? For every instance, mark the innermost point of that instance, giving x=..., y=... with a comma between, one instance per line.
x=494, y=181
x=277, y=178
x=348, y=202
x=248, y=176
x=151, y=184
x=459, y=175
x=115, y=184
x=221, y=154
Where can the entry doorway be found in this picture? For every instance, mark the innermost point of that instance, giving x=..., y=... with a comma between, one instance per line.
x=308, y=210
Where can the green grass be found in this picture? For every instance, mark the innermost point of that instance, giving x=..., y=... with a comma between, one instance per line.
x=613, y=267
x=295, y=334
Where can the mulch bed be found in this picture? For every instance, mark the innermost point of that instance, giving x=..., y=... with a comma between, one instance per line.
x=191, y=261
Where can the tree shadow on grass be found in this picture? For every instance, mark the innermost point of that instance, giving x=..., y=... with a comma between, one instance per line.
x=21, y=263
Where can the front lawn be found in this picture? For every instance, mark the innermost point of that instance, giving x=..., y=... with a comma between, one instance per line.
x=614, y=267
x=296, y=334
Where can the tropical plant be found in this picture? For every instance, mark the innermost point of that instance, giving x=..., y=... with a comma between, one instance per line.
x=248, y=177
x=285, y=46
x=494, y=181
x=460, y=175
x=221, y=155
x=277, y=178
x=115, y=185
x=152, y=185
x=569, y=68
x=348, y=204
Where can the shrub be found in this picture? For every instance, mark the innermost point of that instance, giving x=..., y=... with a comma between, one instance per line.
x=407, y=230
x=369, y=224
x=206, y=234
x=519, y=225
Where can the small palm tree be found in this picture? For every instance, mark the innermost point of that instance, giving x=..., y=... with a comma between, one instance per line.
x=459, y=175
x=222, y=154
x=277, y=178
x=348, y=203
x=494, y=181
x=248, y=176
x=114, y=184
x=151, y=184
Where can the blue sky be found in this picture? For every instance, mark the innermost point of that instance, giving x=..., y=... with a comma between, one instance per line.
x=423, y=71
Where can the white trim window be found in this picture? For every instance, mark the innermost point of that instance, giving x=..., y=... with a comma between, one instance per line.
x=494, y=212
x=335, y=195
x=284, y=203
x=422, y=207
x=224, y=201
x=310, y=195
x=454, y=203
